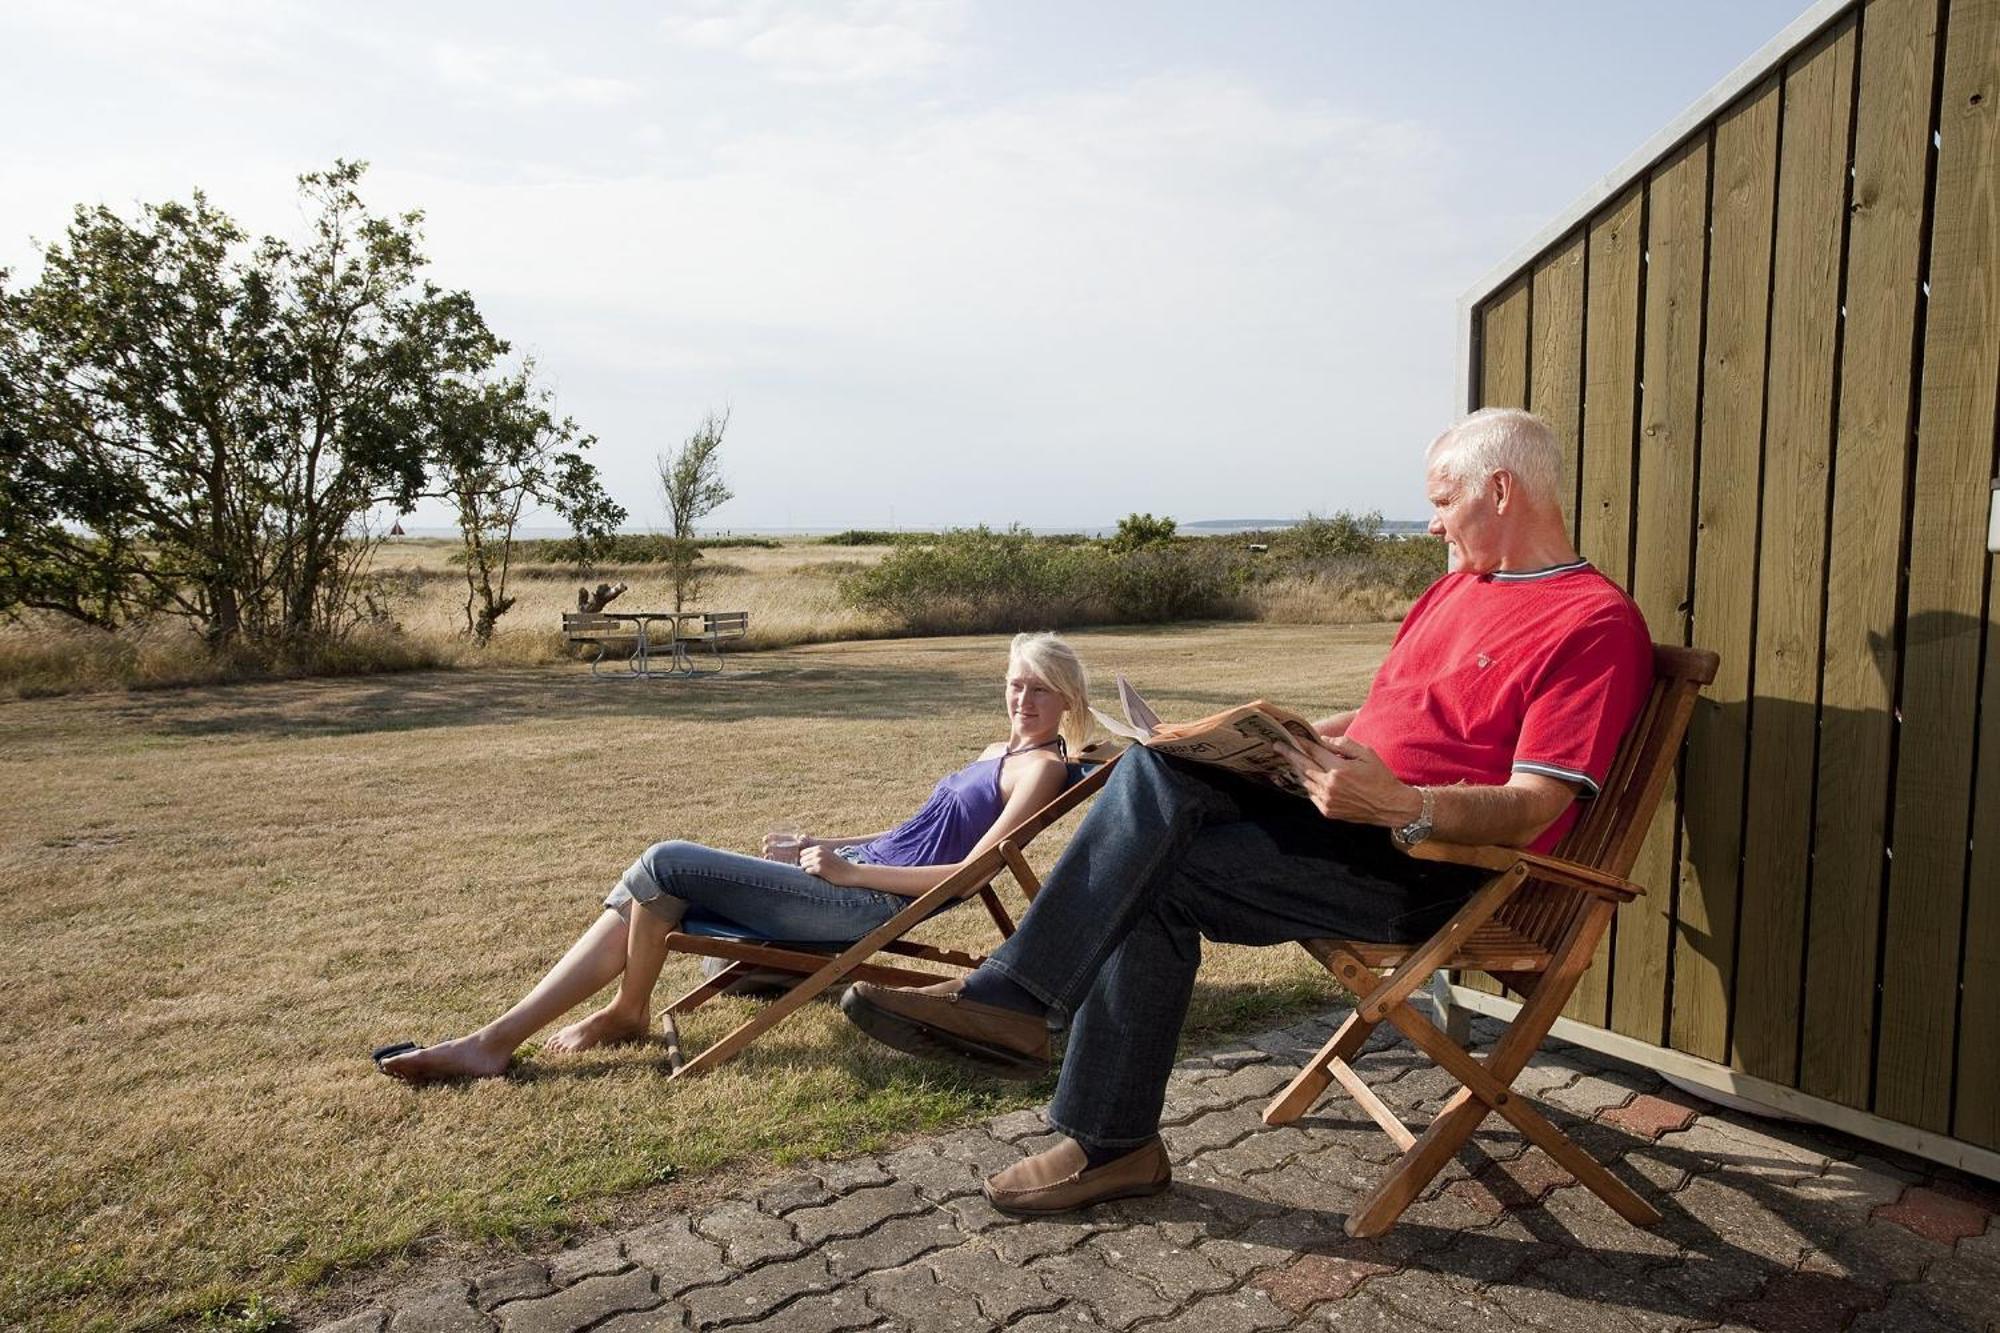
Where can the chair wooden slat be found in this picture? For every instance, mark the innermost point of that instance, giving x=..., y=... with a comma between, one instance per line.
x=817, y=970
x=1537, y=942
x=1493, y=945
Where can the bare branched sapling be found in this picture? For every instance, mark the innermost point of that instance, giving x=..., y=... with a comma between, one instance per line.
x=691, y=483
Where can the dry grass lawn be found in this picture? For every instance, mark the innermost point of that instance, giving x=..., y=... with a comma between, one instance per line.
x=215, y=901
x=792, y=593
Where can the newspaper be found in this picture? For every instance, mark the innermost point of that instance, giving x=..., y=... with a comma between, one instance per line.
x=1240, y=739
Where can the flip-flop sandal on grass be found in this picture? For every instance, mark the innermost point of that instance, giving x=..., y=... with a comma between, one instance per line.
x=392, y=1050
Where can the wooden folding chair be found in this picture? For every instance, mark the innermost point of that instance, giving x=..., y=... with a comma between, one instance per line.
x=821, y=964
x=1533, y=927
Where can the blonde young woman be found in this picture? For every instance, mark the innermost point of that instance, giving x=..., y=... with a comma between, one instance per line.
x=839, y=888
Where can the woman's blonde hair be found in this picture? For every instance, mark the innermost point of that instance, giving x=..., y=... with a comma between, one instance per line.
x=1057, y=666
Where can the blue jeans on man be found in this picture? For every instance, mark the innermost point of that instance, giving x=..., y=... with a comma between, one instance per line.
x=1169, y=853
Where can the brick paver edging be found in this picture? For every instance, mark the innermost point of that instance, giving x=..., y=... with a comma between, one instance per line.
x=1771, y=1227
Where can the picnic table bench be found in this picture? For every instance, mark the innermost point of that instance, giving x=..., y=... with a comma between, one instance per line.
x=717, y=628
x=597, y=630
x=634, y=633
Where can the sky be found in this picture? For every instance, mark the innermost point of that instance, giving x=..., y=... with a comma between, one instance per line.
x=945, y=262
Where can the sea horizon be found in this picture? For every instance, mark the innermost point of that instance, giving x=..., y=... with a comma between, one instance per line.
x=1211, y=527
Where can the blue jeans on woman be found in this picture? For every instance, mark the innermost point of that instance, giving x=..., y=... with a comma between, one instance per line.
x=1171, y=852
x=768, y=898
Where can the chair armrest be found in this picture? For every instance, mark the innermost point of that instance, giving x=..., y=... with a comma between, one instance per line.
x=1465, y=854
x=1491, y=857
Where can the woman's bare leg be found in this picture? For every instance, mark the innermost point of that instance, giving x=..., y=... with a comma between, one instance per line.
x=628, y=1016
x=592, y=963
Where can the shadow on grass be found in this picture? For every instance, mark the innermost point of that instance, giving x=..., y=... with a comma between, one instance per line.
x=347, y=707
x=885, y=680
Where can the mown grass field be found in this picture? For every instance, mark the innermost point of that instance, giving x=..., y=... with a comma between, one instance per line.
x=215, y=901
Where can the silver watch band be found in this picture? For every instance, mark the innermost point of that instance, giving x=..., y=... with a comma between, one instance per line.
x=1414, y=832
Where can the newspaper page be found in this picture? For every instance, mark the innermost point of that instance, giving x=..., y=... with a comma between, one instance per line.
x=1240, y=739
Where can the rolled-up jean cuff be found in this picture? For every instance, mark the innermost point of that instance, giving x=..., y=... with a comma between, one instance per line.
x=1058, y=1014
x=636, y=885
x=1060, y=1128
x=620, y=900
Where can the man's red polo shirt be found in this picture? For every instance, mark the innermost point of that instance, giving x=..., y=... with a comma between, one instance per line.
x=1493, y=674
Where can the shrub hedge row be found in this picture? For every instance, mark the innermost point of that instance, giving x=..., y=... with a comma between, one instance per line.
x=975, y=580
x=872, y=537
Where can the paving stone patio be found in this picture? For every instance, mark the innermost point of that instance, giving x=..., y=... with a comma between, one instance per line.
x=1768, y=1226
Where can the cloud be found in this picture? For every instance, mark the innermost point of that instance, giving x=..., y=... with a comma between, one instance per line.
x=523, y=77
x=1095, y=282
x=935, y=304
x=1114, y=205
x=856, y=41
x=210, y=49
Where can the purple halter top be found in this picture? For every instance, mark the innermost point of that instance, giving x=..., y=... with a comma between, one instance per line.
x=961, y=808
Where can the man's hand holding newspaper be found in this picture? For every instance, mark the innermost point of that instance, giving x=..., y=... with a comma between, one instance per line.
x=1243, y=739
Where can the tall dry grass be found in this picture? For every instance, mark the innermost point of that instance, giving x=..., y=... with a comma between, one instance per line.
x=793, y=594
x=1325, y=598
x=46, y=655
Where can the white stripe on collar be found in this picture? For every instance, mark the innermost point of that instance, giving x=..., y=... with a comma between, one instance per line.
x=1529, y=575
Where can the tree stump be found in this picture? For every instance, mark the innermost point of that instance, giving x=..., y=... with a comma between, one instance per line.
x=586, y=600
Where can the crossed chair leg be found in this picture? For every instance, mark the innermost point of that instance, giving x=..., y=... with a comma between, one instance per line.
x=818, y=973
x=743, y=960
x=1486, y=1084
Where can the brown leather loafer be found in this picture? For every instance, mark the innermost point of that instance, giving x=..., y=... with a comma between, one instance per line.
x=937, y=1022
x=1057, y=1181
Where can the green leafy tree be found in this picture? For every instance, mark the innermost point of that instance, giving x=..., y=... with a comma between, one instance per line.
x=45, y=564
x=691, y=483
x=198, y=424
x=594, y=518
x=499, y=448
x=137, y=421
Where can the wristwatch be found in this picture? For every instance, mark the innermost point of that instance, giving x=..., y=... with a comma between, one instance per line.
x=1419, y=828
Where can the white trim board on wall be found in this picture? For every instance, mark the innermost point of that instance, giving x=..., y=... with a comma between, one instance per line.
x=1692, y=1069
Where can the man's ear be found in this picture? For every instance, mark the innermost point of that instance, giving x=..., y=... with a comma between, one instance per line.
x=1501, y=487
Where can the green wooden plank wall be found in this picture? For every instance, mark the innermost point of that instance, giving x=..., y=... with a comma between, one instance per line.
x=1774, y=360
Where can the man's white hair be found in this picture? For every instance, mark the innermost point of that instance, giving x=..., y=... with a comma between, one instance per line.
x=1496, y=439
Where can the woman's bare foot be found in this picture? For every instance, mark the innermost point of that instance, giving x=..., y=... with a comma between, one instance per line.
x=609, y=1026
x=461, y=1057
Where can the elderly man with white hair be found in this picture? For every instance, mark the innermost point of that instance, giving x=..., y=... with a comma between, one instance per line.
x=1501, y=703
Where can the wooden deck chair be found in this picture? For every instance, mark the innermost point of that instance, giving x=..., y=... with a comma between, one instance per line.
x=825, y=963
x=1532, y=927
